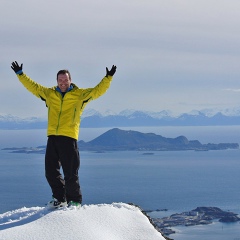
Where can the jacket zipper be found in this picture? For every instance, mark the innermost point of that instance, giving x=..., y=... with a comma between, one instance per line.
x=59, y=116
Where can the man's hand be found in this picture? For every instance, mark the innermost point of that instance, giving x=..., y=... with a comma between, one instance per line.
x=112, y=71
x=16, y=68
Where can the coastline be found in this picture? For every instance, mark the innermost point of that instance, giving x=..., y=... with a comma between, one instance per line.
x=221, y=231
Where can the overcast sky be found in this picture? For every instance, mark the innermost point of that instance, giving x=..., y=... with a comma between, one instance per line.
x=170, y=54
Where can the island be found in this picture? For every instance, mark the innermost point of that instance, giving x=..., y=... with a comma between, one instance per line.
x=198, y=216
x=128, y=140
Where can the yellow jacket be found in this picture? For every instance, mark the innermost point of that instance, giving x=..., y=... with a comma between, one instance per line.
x=64, y=112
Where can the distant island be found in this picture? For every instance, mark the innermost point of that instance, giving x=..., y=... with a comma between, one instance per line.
x=128, y=140
x=198, y=216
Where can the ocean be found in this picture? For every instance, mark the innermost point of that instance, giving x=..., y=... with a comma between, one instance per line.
x=175, y=180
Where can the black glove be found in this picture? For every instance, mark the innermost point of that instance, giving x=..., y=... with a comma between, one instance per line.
x=16, y=68
x=112, y=71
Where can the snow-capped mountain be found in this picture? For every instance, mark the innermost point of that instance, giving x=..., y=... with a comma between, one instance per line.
x=131, y=117
x=14, y=122
x=227, y=111
x=12, y=118
x=92, y=112
x=157, y=115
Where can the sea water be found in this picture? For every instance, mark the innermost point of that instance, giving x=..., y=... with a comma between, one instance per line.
x=176, y=180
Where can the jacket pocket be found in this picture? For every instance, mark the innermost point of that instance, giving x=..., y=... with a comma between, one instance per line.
x=74, y=115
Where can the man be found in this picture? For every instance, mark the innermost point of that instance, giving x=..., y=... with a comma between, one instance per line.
x=65, y=104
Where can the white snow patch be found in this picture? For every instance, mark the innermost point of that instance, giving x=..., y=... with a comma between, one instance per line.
x=116, y=221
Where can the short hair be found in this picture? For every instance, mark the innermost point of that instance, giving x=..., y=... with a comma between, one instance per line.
x=64, y=71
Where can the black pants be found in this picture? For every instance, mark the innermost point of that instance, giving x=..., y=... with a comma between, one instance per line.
x=63, y=152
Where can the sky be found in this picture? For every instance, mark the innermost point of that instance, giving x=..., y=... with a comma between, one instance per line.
x=170, y=55
x=104, y=221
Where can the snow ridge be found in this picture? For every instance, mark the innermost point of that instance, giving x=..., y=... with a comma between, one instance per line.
x=116, y=221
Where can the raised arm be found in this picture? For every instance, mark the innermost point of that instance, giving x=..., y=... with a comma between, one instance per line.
x=97, y=91
x=35, y=88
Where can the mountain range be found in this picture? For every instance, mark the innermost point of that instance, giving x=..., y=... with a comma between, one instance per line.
x=128, y=118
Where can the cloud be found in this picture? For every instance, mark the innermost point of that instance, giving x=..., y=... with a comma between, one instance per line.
x=232, y=90
x=160, y=47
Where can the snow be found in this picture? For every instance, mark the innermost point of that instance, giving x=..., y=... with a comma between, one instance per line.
x=116, y=221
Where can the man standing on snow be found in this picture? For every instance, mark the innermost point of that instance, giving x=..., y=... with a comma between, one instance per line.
x=65, y=104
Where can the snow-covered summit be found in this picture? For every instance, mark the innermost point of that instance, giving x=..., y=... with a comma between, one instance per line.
x=92, y=112
x=117, y=221
x=224, y=111
x=157, y=115
x=12, y=118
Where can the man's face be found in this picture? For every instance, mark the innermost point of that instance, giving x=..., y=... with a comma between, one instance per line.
x=63, y=82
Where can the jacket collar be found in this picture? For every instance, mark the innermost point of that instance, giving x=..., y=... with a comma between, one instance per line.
x=69, y=89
